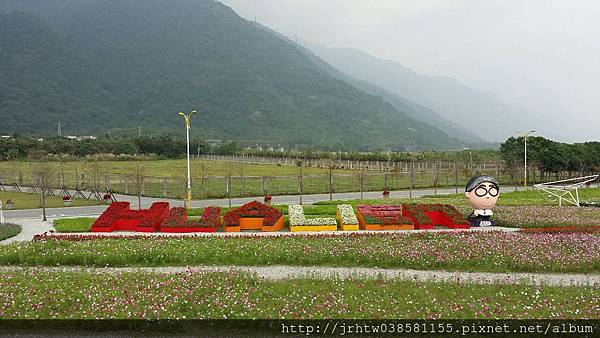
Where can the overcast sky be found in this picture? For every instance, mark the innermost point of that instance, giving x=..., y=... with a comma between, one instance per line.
x=540, y=54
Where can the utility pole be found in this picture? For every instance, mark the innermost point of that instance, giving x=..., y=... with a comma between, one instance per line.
x=525, y=136
x=59, y=130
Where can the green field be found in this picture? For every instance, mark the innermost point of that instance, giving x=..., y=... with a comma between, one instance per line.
x=32, y=201
x=168, y=178
x=165, y=168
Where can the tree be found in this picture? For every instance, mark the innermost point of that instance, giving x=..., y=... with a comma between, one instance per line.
x=139, y=182
x=43, y=176
x=361, y=176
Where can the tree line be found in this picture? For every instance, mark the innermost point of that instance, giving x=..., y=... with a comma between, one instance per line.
x=154, y=147
x=552, y=159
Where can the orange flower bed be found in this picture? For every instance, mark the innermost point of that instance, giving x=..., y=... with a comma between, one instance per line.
x=254, y=216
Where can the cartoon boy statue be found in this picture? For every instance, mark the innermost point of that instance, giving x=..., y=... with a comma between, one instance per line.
x=482, y=192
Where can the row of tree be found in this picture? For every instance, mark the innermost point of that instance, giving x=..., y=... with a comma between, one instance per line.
x=159, y=146
x=552, y=158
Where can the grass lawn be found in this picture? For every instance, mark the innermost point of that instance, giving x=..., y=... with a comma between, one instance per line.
x=168, y=168
x=278, y=180
x=452, y=251
x=81, y=224
x=32, y=201
x=77, y=295
x=9, y=230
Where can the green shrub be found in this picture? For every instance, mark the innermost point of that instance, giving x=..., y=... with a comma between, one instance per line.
x=9, y=230
x=81, y=224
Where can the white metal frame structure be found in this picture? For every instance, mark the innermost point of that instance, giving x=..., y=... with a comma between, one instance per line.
x=563, y=189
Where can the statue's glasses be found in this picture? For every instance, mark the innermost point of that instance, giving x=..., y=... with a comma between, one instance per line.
x=482, y=191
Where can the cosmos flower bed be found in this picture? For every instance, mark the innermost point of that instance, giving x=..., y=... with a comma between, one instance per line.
x=299, y=222
x=253, y=216
x=430, y=216
x=347, y=218
x=493, y=251
x=383, y=217
x=547, y=216
x=119, y=217
x=548, y=230
x=177, y=221
x=233, y=295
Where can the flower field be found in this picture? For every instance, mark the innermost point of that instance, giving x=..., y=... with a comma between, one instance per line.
x=546, y=216
x=35, y=294
x=492, y=251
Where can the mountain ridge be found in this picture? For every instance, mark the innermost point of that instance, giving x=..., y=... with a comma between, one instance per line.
x=136, y=63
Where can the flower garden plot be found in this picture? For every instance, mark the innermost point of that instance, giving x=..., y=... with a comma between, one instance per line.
x=119, y=217
x=474, y=251
x=299, y=222
x=177, y=221
x=254, y=216
x=566, y=230
x=236, y=295
x=383, y=217
x=547, y=216
x=347, y=218
x=430, y=216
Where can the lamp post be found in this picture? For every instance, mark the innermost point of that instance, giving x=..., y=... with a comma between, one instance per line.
x=187, y=118
x=525, y=135
x=470, y=157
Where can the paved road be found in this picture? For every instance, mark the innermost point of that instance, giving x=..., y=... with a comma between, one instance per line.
x=284, y=199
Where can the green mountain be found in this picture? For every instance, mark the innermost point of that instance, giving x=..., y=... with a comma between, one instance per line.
x=103, y=65
x=42, y=82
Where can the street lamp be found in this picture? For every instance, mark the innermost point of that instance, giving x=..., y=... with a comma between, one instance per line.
x=187, y=118
x=470, y=157
x=525, y=135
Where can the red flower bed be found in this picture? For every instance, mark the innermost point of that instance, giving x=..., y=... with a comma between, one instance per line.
x=383, y=217
x=380, y=210
x=108, y=217
x=119, y=217
x=428, y=216
x=177, y=221
x=271, y=217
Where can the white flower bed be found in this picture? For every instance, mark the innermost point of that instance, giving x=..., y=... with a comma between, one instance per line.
x=297, y=218
x=347, y=215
